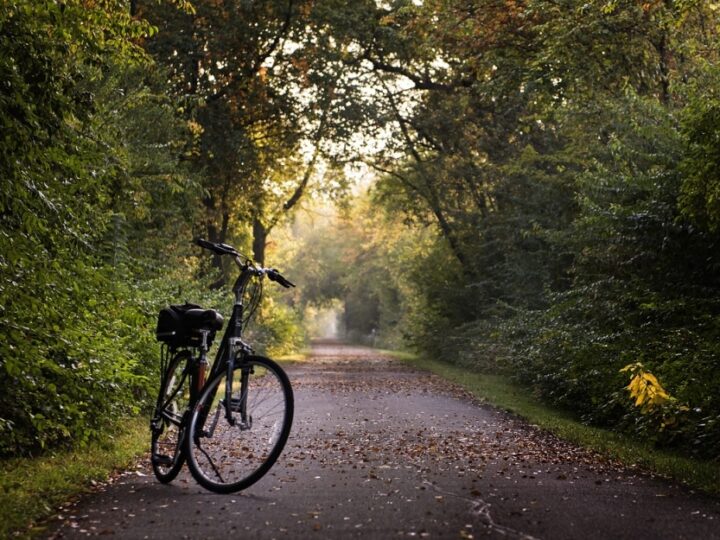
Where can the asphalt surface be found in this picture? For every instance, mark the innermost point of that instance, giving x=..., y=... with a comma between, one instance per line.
x=379, y=450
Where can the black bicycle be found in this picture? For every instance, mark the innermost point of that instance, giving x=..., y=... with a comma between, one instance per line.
x=231, y=422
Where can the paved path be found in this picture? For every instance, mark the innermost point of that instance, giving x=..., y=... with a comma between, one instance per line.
x=382, y=451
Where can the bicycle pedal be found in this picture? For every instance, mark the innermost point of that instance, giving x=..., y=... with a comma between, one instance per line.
x=162, y=460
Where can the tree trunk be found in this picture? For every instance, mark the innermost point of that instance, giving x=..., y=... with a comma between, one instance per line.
x=260, y=233
x=218, y=236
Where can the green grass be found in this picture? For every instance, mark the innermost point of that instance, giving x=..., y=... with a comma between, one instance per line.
x=503, y=394
x=31, y=489
x=300, y=356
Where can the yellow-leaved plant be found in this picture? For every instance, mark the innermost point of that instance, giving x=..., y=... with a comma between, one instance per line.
x=650, y=396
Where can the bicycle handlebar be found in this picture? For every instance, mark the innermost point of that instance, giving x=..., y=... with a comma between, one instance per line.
x=225, y=249
x=277, y=277
x=220, y=249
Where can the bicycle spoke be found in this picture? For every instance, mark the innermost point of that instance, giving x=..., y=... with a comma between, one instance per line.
x=210, y=461
x=238, y=454
x=258, y=403
x=167, y=455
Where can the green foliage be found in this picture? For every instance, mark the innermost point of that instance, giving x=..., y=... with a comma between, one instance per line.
x=278, y=330
x=365, y=261
x=258, y=82
x=77, y=347
x=700, y=193
x=644, y=288
x=564, y=156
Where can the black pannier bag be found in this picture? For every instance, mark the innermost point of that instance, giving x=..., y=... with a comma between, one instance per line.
x=180, y=326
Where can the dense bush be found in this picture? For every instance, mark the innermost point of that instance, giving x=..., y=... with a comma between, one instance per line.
x=73, y=353
x=111, y=164
x=277, y=330
x=96, y=213
x=642, y=287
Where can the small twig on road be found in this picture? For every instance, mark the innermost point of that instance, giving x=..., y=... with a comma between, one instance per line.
x=481, y=508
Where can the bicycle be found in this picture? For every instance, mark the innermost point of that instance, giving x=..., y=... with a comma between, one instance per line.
x=230, y=423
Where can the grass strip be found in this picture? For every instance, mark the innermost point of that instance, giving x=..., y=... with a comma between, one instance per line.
x=31, y=489
x=294, y=358
x=500, y=392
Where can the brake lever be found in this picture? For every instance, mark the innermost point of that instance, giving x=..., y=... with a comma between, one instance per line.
x=219, y=249
x=278, y=278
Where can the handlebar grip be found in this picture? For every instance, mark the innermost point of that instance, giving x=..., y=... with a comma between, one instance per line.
x=278, y=278
x=220, y=249
x=286, y=283
x=204, y=244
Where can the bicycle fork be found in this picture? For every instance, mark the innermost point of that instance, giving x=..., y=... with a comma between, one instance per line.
x=239, y=404
x=230, y=404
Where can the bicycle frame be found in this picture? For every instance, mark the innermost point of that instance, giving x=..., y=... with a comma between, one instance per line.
x=232, y=348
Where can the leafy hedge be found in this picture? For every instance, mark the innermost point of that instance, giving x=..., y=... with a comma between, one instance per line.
x=96, y=214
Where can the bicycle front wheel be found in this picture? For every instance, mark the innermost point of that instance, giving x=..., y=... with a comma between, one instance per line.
x=167, y=452
x=240, y=425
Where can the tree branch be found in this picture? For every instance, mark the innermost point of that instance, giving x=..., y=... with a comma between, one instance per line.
x=300, y=189
x=389, y=172
x=421, y=83
x=273, y=46
x=432, y=197
x=259, y=59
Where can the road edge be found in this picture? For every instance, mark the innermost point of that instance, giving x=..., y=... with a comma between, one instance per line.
x=500, y=393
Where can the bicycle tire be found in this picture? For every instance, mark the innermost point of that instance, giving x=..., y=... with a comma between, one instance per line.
x=167, y=451
x=223, y=457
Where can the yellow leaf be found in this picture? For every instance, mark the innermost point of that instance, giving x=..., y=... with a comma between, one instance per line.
x=635, y=385
x=650, y=378
x=631, y=367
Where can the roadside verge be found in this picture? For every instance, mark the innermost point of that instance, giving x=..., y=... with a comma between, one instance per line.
x=32, y=489
x=503, y=394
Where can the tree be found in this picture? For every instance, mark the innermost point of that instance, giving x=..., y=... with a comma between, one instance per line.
x=68, y=172
x=262, y=94
x=366, y=260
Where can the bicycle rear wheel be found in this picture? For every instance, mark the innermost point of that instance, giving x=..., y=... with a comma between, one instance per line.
x=167, y=451
x=226, y=455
